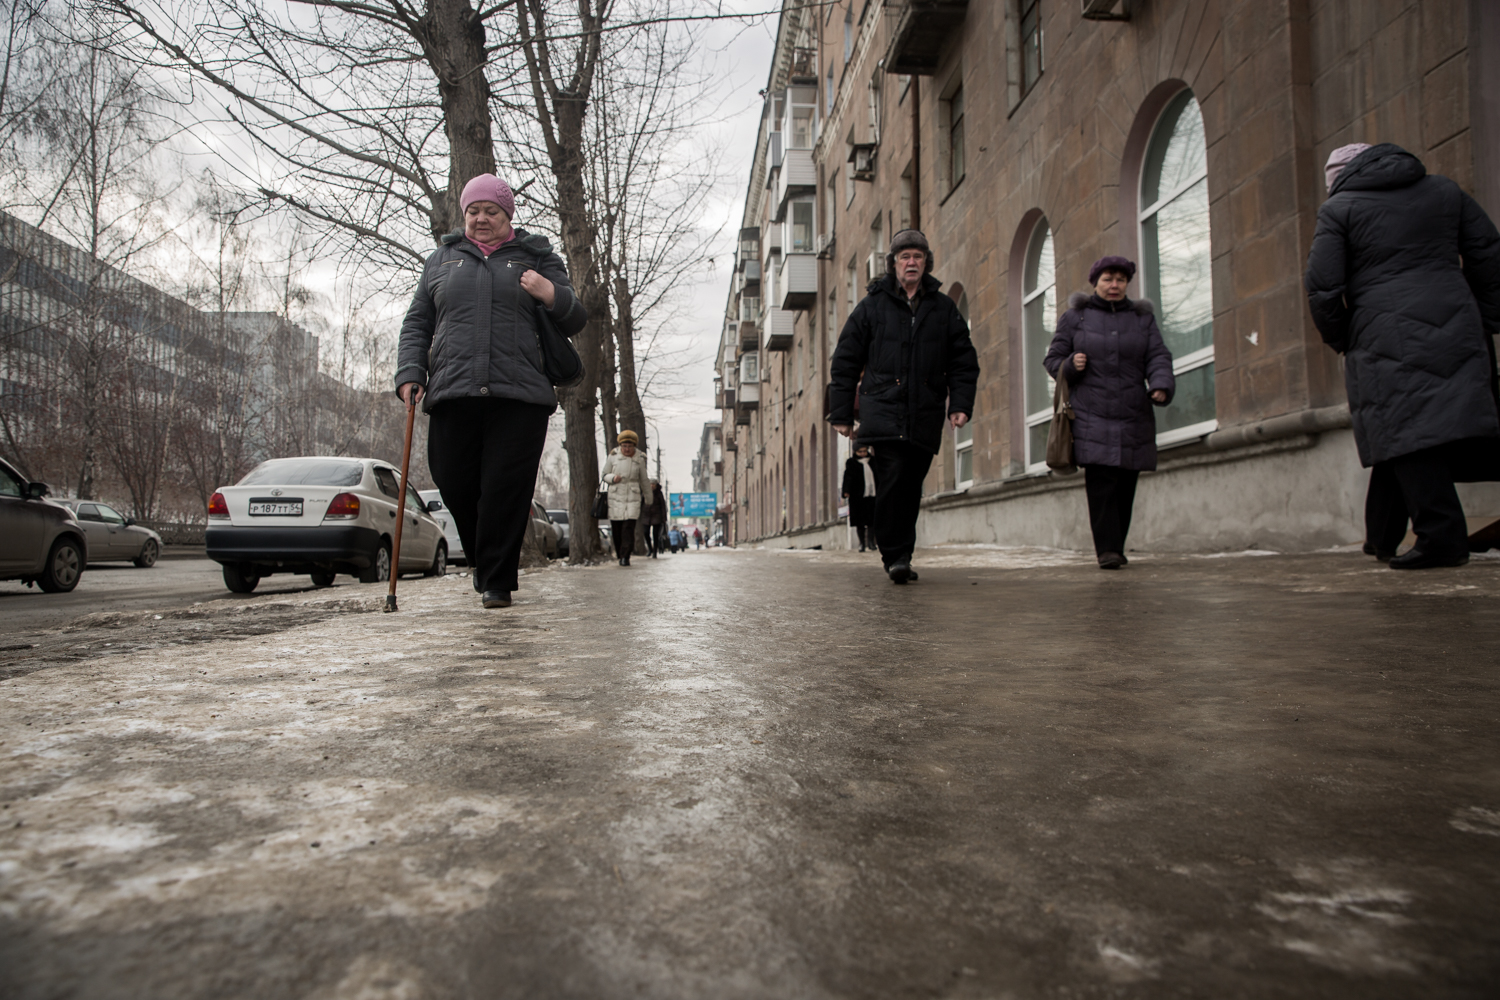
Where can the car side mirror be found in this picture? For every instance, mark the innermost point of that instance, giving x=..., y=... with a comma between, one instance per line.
x=35, y=491
x=129, y=521
x=434, y=505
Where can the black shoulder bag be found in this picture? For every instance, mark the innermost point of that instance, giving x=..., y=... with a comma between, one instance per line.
x=560, y=361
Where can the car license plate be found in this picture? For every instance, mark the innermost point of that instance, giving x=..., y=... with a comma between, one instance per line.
x=272, y=507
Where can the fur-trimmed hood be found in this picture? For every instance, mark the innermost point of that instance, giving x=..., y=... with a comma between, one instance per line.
x=1082, y=300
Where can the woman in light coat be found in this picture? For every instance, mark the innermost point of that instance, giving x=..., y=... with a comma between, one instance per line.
x=625, y=475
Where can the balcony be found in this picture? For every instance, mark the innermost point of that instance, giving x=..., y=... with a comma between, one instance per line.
x=923, y=29
x=725, y=400
x=804, y=67
x=749, y=396
x=750, y=278
x=798, y=175
x=749, y=244
x=776, y=329
x=798, y=281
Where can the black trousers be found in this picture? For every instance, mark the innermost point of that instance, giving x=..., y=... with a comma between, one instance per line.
x=899, y=470
x=658, y=539
x=1111, y=493
x=623, y=534
x=1418, y=486
x=483, y=455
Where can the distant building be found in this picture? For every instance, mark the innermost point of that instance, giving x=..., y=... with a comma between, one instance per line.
x=1029, y=137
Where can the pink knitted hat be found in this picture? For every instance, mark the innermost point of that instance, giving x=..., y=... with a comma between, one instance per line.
x=488, y=187
x=1341, y=158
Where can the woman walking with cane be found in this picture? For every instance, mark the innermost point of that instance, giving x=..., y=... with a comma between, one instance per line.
x=1111, y=352
x=469, y=352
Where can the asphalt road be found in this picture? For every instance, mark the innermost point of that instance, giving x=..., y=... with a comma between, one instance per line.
x=174, y=582
x=769, y=775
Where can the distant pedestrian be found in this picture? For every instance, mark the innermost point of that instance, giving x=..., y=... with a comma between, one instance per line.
x=859, y=490
x=674, y=539
x=906, y=350
x=1403, y=280
x=697, y=538
x=655, y=520
x=625, y=475
x=482, y=382
x=1110, y=351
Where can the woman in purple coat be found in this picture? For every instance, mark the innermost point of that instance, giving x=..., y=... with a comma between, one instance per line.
x=1111, y=352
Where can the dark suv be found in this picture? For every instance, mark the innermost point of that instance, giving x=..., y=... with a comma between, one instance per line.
x=40, y=542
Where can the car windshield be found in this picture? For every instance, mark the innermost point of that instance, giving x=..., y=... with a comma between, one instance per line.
x=305, y=472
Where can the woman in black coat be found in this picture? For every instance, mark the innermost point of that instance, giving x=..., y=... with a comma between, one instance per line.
x=859, y=490
x=1111, y=352
x=469, y=353
x=1403, y=279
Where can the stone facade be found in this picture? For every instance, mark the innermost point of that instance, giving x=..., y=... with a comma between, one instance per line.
x=977, y=151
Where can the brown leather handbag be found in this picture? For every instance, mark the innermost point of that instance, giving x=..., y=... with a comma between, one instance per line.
x=1060, y=434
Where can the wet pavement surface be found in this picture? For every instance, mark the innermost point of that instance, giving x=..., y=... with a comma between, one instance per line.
x=769, y=774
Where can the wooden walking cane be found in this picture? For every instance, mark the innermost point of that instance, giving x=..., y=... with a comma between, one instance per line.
x=411, y=418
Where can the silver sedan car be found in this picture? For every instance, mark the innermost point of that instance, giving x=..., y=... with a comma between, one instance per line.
x=112, y=535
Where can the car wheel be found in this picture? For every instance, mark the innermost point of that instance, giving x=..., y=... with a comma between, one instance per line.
x=379, y=569
x=148, y=555
x=63, y=567
x=323, y=579
x=238, y=581
x=439, y=565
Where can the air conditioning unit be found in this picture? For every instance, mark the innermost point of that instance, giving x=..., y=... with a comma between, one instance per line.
x=862, y=155
x=875, y=266
x=825, y=246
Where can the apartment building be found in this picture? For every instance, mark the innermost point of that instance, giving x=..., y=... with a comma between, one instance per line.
x=1029, y=137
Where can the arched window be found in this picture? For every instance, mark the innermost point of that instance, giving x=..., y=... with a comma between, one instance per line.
x=963, y=437
x=1176, y=263
x=1038, y=323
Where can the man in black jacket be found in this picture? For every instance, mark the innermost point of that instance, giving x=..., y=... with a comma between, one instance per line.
x=1403, y=280
x=906, y=351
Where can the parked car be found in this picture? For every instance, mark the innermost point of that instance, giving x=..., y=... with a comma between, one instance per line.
x=560, y=522
x=40, y=542
x=321, y=516
x=113, y=536
x=450, y=530
x=546, y=530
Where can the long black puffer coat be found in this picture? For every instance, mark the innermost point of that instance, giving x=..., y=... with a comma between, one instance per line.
x=917, y=367
x=472, y=330
x=1404, y=280
x=1113, y=423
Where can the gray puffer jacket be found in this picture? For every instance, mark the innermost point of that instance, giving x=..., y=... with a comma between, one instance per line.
x=472, y=329
x=1404, y=279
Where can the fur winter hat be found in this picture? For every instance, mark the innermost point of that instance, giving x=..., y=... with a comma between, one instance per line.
x=488, y=187
x=905, y=240
x=1122, y=264
x=628, y=437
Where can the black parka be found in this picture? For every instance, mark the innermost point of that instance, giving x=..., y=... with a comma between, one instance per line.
x=471, y=330
x=912, y=368
x=1403, y=279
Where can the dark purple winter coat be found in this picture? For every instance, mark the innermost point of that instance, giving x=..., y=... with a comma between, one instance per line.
x=1112, y=419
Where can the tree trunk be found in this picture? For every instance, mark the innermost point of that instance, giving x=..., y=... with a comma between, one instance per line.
x=452, y=39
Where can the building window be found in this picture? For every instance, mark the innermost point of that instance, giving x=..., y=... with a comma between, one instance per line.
x=848, y=34
x=1176, y=264
x=1038, y=322
x=828, y=97
x=906, y=198
x=801, y=227
x=1031, y=44
x=954, y=154
x=853, y=287
x=802, y=127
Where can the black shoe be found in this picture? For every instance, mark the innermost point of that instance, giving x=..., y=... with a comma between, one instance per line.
x=899, y=572
x=911, y=577
x=861, y=548
x=625, y=561
x=1111, y=560
x=1380, y=554
x=497, y=598
x=1415, y=558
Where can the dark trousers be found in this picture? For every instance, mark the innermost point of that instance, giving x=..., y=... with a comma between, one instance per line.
x=658, y=539
x=1111, y=493
x=483, y=455
x=623, y=533
x=1418, y=486
x=899, y=470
